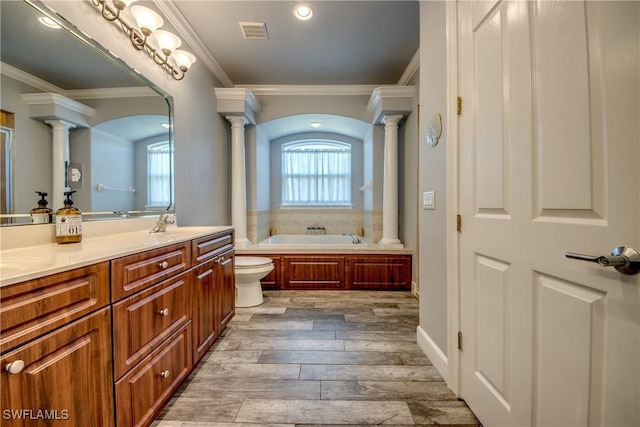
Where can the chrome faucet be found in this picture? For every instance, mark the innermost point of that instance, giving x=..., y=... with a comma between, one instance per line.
x=163, y=222
x=356, y=239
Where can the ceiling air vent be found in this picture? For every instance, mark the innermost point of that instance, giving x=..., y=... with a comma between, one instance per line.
x=254, y=30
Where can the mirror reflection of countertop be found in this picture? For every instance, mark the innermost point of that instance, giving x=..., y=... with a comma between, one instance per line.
x=26, y=263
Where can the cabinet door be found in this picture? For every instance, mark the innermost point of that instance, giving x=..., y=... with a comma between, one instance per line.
x=204, y=308
x=66, y=379
x=227, y=288
x=391, y=273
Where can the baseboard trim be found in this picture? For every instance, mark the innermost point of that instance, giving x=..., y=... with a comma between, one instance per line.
x=433, y=352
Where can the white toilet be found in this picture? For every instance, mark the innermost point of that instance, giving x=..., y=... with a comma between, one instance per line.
x=249, y=270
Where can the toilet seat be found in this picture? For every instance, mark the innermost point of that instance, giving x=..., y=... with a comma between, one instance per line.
x=252, y=262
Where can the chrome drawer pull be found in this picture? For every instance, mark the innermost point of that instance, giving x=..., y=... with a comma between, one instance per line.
x=163, y=264
x=15, y=367
x=164, y=374
x=164, y=312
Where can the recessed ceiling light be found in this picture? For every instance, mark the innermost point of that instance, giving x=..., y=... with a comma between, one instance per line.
x=303, y=12
x=315, y=124
x=166, y=125
x=48, y=22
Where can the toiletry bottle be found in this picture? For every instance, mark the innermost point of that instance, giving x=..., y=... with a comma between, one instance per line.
x=68, y=222
x=42, y=214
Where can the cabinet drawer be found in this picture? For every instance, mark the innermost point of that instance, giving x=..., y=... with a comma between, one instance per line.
x=142, y=393
x=143, y=321
x=133, y=273
x=210, y=246
x=32, y=308
x=66, y=374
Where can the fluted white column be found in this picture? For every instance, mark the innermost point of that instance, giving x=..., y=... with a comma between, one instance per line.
x=60, y=130
x=238, y=180
x=390, y=192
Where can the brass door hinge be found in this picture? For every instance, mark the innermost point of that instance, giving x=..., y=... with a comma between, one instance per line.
x=459, y=223
x=459, y=340
x=459, y=105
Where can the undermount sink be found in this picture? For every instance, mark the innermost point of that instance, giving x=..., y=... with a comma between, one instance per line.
x=10, y=266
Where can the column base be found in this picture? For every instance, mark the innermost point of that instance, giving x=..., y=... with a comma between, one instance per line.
x=390, y=243
x=242, y=242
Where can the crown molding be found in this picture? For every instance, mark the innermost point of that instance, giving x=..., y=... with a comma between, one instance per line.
x=115, y=92
x=328, y=90
x=411, y=70
x=17, y=74
x=185, y=30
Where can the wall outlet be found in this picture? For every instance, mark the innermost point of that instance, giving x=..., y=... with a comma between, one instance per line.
x=429, y=200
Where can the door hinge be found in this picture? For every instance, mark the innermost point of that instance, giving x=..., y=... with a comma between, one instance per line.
x=459, y=105
x=459, y=223
x=459, y=340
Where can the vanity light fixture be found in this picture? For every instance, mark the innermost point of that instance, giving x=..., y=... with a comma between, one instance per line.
x=303, y=12
x=160, y=45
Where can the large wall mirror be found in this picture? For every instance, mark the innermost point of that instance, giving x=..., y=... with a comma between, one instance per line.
x=119, y=134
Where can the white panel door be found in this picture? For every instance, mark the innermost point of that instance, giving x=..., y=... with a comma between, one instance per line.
x=549, y=162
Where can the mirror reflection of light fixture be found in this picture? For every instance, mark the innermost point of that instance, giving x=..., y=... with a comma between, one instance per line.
x=176, y=62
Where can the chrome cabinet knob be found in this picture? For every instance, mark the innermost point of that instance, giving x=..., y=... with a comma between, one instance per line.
x=164, y=312
x=164, y=374
x=163, y=264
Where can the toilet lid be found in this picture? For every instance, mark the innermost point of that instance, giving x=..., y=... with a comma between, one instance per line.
x=252, y=261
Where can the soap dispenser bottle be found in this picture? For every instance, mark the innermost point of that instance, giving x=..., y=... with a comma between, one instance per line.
x=68, y=222
x=42, y=214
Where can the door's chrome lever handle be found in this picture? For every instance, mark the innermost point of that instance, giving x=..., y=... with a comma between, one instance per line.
x=625, y=260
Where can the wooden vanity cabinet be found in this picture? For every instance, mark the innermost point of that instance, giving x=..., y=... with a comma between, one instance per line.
x=62, y=364
x=112, y=342
x=213, y=290
x=169, y=315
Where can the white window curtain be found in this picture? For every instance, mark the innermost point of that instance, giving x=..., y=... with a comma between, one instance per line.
x=320, y=175
x=159, y=188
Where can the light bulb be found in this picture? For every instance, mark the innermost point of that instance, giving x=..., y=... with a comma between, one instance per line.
x=167, y=42
x=183, y=59
x=303, y=12
x=147, y=19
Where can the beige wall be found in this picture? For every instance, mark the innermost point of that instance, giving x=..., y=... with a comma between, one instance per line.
x=432, y=175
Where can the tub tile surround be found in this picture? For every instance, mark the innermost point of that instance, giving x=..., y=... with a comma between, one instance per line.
x=318, y=358
x=262, y=224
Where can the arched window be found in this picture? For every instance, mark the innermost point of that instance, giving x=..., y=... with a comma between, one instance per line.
x=316, y=173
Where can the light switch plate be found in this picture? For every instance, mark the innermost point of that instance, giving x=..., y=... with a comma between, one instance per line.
x=429, y=200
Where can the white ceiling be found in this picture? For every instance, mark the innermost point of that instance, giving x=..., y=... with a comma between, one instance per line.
x=345, y=43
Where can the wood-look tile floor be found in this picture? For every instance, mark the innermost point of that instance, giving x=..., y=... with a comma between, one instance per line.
x=311, y=358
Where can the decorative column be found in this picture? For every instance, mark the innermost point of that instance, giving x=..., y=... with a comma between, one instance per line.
x=238, y=180
x=390, y=192
x=62, y=114
x=239, y=107
x=389, y=105
x=60, y=156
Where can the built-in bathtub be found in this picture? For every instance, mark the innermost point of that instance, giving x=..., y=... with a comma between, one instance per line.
x=313, y=241
x=331, y=261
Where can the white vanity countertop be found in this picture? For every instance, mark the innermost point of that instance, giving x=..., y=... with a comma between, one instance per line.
x=17, y=265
